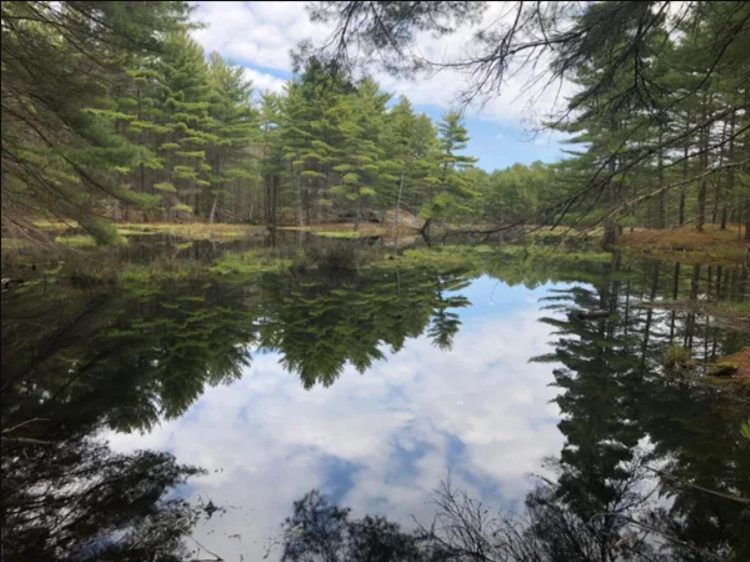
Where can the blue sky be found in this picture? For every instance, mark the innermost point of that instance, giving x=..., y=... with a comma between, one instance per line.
x=259, y=36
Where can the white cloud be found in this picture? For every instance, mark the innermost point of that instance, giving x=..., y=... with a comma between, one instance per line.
x=540, y=142
x=263, y=33
x=263, y=81
x=266, y=441
x=260, y=33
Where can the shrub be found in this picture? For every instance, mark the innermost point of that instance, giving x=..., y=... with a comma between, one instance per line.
x=678, y=358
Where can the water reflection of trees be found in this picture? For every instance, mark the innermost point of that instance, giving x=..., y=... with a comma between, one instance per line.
x=73, y=499
x=320, y=321
x=149, y=350
x=654, y=467
x=77, y=362
x=620, y=406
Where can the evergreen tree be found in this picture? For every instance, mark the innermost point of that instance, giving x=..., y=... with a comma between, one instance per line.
x=362, y=157
x=184, y=117
x=60, y=63
x=235, y=127
x=453, y=188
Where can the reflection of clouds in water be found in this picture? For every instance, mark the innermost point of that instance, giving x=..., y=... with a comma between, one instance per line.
x=378, y=442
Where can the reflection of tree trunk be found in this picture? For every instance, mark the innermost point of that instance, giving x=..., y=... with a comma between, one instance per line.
x=718, y=282
x=615, y=297
x=695, y=282
x=627, y=307
x=672, y=316
x=650, y=313
x=675, y=288
x=690, y=324
x=742, y=289
x=676, y=280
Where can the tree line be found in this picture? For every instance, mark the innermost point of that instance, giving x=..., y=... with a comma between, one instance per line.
x=118, y=111
x=658, y=125
x=112, y=111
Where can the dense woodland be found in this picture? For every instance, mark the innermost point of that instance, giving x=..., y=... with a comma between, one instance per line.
x=111, y=111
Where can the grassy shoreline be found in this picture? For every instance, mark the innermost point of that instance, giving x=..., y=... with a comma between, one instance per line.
x=684, y=244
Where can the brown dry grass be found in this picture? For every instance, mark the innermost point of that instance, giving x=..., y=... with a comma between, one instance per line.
x=741, y=360
x=712, y=242
x=739, y=382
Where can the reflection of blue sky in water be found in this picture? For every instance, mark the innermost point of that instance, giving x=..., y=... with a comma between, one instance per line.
x=378, y=442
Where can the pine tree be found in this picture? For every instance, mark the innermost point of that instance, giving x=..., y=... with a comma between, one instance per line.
x=61, y=66
x=235, y=126
x=272, y=159
x=362, y=155
x=186, y=125
x=453, y=188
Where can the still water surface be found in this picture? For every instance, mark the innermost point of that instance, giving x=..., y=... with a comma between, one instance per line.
x=374, y=386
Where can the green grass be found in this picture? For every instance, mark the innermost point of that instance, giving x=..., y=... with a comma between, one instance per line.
x=189, y=231
x=77, y=241
x=336, y=233
x=250, y=262
x=13, y=244
x=55, y=225
x=678, y=358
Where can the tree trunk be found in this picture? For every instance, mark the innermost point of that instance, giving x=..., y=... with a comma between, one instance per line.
x=357, y=210
x=718, y=192
x=299, y=201
x=212, y=215
x=730, y=172
x=700, y=218
x=662, y=204
x=267, y=199
x=425, y=231
x=611, y=234
x=398, y=198
x=274, y=198
x=685, y=167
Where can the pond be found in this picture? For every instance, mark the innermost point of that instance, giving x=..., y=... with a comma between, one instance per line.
x=407, y=389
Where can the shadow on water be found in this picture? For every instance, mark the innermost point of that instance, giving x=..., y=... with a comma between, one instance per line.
x=653, y=468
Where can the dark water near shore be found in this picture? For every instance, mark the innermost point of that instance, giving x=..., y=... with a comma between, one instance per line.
x=374, y=385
